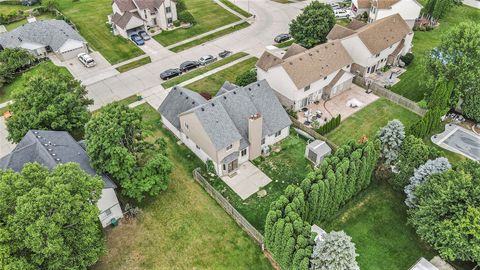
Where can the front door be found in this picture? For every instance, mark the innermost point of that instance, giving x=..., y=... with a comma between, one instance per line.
x=232, y=166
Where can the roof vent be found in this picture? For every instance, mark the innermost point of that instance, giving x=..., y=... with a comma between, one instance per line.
x=45, y=144
x=186, y=97
x=213, y=104
x=300, y=58
x=38, y=136
x=35, y=132
x=53, y=154
x=234, y=92
x=258, y=84
x=181, y=93
x=193, y=102
x=50, y=149
x=203, y=109
x=249, y=89
x=57, y=159
x=224, y=97
x=310, y=54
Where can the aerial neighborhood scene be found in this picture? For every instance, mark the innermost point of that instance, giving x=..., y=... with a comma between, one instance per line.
x=240, y=134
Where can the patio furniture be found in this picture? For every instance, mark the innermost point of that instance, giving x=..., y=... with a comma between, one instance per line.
x=318, y=114
x=307, y=123
x=304, y=109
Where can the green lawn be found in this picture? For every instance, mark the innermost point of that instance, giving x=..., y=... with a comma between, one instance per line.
x=200, y=71
x=45, y=16
x=7, y=91
x=183, y=227
x=210, y=37
x=90, y=17
x=285, y=44
x=236, y=8
x=208, y=15
x=369, y=120
x=412, y=84
x=134, y=64
x=377, y=222
x=212, y=83
x=7, y=9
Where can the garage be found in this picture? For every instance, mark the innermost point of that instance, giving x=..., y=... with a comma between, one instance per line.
x=71, y=49
x=343, y=84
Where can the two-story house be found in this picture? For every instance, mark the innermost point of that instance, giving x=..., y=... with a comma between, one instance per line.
x=301, y=77
x=50, y=148
x=231, y=128
x=130, y=16
x=375, y=45
x=379, y=9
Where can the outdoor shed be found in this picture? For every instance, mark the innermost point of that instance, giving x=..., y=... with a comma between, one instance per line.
x=316, y=151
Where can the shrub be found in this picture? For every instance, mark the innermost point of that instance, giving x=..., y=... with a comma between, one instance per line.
x=176, y=23
x=330, y=125
x=186, y=17
x=180, y=5
x=407, y=58
x=246, y=78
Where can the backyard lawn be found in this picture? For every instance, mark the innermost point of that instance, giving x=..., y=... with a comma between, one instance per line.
x=90, y=18
x=369, y=120
x=45, y=16
x=183, y=227
x=412, y=84
x=377, y=222
x=7, y=9
x=208, y=15
x=7, y=91
x=212, y=83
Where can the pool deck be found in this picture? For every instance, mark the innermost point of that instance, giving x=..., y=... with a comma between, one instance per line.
x=459, y=140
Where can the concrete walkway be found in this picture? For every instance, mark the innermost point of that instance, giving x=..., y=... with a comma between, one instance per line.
x=229, y=9
x=247, y=181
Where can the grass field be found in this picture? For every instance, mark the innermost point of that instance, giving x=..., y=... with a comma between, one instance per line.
x=7, y=91
x=236, y=8
x=183, y=227
x=200, y=71
x=377, y=222
x=90, y=17
x=412, y=83
x=210, y=37
x=370, y=119
x=42, y=17
x=134, y=64
x=7, y=9
x=212, y=83
x=208, y=15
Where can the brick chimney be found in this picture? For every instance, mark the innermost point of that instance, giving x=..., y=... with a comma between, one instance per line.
x=255, y=124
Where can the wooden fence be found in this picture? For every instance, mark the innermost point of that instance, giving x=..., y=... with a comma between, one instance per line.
x=313, y=133
x=239, y=218
x=394, y=97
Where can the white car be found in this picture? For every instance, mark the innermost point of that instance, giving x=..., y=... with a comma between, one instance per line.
x=207, y=59
x=86, y=60
x=335, y=6
x=341, y=14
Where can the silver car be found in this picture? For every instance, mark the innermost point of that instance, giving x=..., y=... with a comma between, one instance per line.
x=86, y=60
x=207, y=59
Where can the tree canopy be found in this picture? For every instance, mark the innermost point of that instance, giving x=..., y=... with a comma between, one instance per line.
x=117, y=146
x=313, y=24
x=49, y=219
x=447, y=213
x=334, y=252
x=457, y=60
x=49, y=100
x=12, y=61
x=391, y=137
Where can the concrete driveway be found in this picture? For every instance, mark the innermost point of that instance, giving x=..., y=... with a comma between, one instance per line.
x=248, y=180
x=155, y=50
x=5, y=146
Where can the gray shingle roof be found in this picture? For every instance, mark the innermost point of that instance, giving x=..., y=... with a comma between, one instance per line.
x=227, y=86
x=125, y=5
x=227, y=120
x=178, y=101
x=49, y=148
x=123, y=20
x=319, y=147
x=53, y=33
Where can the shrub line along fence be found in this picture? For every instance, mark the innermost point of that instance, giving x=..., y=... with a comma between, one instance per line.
x=313, y=133
x=394, y=97
x=239, y=218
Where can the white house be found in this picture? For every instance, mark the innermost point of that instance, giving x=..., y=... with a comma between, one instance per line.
x=235, y=126
x=42, y=37
x=50, y=148
x=301, y=77
x=375, y=45
x=379, y=9
x=130, y=16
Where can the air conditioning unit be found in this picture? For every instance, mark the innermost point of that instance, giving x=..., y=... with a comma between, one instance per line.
x=265, y=150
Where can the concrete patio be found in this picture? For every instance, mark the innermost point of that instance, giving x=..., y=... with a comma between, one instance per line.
x=389, y=77
x=339, y=105
x=247, y=181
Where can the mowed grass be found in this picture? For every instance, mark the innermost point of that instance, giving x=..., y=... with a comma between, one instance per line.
x=236, y=8
x=6, y=92
x=377, y=222
x=369, y=120
x=209, y=16
x=7, y=9
x=412, y=83
x=212, y=83
x=134, y=64
x=90, y=18
x=183, y=227
x=45, y=16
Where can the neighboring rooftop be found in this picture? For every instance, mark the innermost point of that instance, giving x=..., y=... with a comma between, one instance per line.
x=52, y=33
x=49, y=148
x=129, y=5
x=423, y=264
x=123, y=20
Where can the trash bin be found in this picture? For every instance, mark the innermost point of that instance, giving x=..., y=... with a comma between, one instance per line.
x=114, y=222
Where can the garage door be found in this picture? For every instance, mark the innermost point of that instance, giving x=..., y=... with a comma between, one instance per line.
x=72, y=53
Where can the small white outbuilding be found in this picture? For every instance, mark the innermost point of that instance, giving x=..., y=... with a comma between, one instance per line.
x=316, y=151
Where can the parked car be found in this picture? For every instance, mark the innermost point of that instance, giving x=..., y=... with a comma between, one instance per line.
x=189, y=65
x=137, y=39
x=207, y=59
x=335, y=6
x=170, y=73
x=86, y=60
x=341, y=14
x=144, y=35
x=224, y=54
x=282, y=37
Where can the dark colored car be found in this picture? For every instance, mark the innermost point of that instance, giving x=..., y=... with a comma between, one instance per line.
x=170, y=73
x=137, y=39
x=143, y=35
x=224, y=54
x=282, y=37
x=189, y=65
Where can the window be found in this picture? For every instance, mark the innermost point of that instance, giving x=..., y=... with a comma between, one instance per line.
x=244, y=152
x=106, y=213
x=198, y=147
x=169, y=20
x=377, y=55
x=278, y=133
x=307, y=88
x=145, y=12
x=224, y=167
x=348, y=66
x=186, y=125
x=263, y=141
x=168, y=9
x=229, y=147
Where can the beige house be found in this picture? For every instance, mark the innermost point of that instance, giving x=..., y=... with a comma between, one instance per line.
x=235, y=126
x=131, y=16
x=301, y=77
x=375, y=45
x=409, y=10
